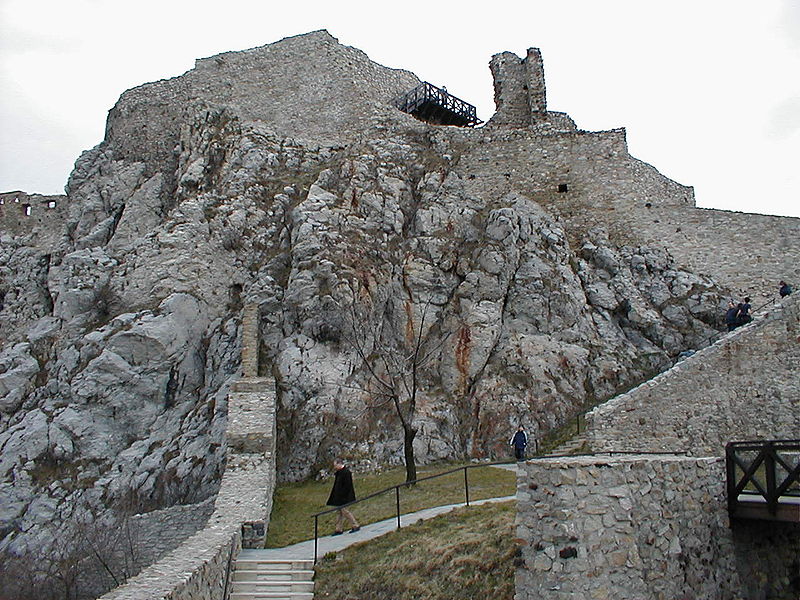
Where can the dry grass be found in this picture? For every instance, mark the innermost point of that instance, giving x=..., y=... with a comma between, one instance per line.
x=294, y=503
x=467, y=553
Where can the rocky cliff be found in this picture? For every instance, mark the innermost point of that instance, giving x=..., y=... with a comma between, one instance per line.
x=283, y=177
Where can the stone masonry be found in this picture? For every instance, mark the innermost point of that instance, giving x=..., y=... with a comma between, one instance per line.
x=743, y=387
x=656, y=526
x=198, y=569
x=644, y=527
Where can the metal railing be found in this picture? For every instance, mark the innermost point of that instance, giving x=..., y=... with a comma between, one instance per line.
x=465, y=468
x=396, y=489
x=436, y=99
x=769, y=456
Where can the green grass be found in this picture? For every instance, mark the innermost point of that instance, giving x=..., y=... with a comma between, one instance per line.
x=294, y=503
x=467, y=553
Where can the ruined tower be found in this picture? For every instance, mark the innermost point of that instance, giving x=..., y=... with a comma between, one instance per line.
x=519, y=89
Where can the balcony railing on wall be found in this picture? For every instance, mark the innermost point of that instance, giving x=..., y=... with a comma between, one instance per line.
x=435, y=105
x=763, y=479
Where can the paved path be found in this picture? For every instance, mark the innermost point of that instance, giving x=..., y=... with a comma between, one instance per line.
x=334, y=543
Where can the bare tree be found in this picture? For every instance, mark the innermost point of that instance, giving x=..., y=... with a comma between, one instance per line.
x=393, y=360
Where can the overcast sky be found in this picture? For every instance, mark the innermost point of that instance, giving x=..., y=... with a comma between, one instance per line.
x=709, y=90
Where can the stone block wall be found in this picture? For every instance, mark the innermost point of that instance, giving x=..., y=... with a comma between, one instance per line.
x=250, y=341
x=641, y=528
x=745, y=386
x=747, y=253
x=307, y=88
x=198, y=568
x=605, y=186
x=22, y=213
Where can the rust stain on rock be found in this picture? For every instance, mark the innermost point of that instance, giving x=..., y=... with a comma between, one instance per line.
x=463, y=349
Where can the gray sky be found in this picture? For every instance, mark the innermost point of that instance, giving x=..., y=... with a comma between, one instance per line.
x=709, y=90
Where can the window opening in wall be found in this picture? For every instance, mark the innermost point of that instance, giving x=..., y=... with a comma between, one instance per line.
x=562, y=188
x=647, y=205
x=27, y=209
x=51, y=204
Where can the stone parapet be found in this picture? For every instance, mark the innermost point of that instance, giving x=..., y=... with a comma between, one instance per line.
x=742, y=387
x=249, y=343
x=199, y=567
x=641, y=528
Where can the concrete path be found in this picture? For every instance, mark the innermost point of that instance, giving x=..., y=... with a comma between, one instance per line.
x=334, y=543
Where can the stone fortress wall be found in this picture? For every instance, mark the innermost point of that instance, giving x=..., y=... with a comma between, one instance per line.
x=743, y=387
x=199, y=567
x=656, y=526
x=589, y=179
x=603, y=185
x=638, y=527
x=253, y=85
x=22, y=214
x=585, y=178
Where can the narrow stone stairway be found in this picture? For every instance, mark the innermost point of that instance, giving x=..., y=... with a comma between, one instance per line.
x=256, y=578
x=571, y=446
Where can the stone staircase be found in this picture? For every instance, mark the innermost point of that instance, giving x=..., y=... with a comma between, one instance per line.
x=260, y=579
x=571, y=446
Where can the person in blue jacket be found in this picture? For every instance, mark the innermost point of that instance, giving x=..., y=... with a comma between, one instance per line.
x=519, y=441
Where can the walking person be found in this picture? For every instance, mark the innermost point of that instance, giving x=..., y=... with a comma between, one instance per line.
x=743, y=316
x=342, y=492
x=730, y=315
x=520, y=442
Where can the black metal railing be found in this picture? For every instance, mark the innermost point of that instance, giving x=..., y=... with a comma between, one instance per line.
x=762, y=469
x=465, y=468
x=396, y=490
x=436, y=105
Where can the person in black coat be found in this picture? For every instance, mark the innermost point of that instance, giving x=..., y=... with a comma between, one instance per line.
x=730, y=316
x=342, y=492
x=743, y=316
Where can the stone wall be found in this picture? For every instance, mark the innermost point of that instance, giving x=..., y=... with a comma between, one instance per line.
x=22, y=214
x=643, y=528
x=308, y=88
x=198, y=568
x=589, y=179
x=748, y=253
x=159, y=532
x=742, y=387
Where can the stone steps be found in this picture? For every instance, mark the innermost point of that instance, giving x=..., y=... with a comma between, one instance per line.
x=263, y=579
x=570, y=446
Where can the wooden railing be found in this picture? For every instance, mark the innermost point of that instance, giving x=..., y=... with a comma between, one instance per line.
x=762, y=472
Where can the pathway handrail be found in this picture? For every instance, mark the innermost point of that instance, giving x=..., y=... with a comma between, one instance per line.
x=464, y=468
x=396, y=489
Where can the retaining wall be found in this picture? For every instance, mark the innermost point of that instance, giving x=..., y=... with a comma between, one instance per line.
x=640, y=528
x=745, y=386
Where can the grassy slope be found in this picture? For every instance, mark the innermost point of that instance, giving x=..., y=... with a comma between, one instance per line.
x=295, y=502
x=467, y=553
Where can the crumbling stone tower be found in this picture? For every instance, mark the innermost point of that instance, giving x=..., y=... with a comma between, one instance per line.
x=519, y=89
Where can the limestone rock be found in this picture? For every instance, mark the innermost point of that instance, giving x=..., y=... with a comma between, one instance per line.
x=283, y=177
